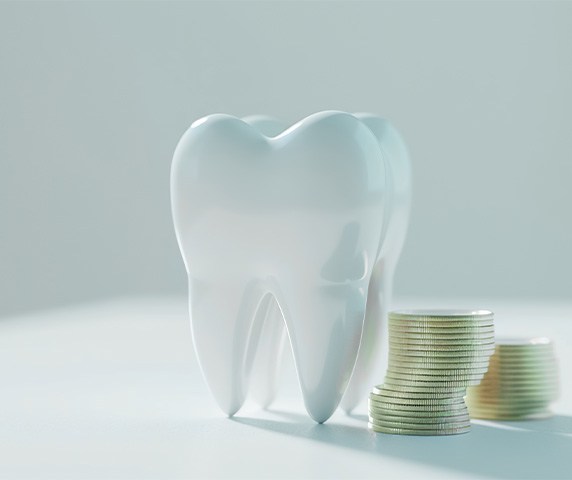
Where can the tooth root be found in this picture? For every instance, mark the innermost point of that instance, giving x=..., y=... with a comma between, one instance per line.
x=225, y=335
x=324, y=325
x=270, y=353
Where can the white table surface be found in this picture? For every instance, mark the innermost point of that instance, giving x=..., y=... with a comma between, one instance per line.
x=113, y=390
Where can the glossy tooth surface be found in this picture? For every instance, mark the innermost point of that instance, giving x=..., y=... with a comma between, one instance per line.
x=372, y=357
x=270, y=354
x=278, y=227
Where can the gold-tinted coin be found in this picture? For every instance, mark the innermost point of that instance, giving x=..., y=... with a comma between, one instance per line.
x=533, y=369
x=540, y=352
x=515, y=383
x=524, y=343
x=500, y=416
x=521, y=380
x=499, y=390
x=524, y=357
x=509, y=406
x=506, y=410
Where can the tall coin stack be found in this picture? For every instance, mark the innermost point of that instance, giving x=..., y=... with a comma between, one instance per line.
x=521, y=382
x=433, y=357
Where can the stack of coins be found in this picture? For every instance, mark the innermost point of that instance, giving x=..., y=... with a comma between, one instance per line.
x=521, y=382
x=433, y=357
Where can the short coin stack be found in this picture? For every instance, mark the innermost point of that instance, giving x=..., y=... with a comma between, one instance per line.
x=433, y=357
x=521, y=382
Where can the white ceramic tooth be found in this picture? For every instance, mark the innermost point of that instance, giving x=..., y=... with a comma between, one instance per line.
x=295, y=219
x=266, y=371
x=372, y=358
x=267, y=368
x=265, y=124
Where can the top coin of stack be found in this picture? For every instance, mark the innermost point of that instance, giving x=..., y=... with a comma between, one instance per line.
x=521, y=382
x=433, y=356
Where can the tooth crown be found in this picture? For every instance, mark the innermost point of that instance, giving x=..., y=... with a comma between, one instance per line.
x=241, y=195
x=294, y=221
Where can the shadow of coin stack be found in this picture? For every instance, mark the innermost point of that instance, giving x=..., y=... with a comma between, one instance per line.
x=520, y=384
x=434, y=355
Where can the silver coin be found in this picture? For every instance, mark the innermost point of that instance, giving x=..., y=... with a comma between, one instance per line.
x=421, y=420
x=441, y=329
x=419, y=426
x=477, y=351
x=418, y=413
x=389, y=405
x=400, y=392
x=415, y=402
x=440, y=314
x=426, y=389
x=439, y=346
x=405, y=431
x=422, y=377
x=438, y=362
x=393, y=377
x=439, y=343
x=441, y=372
x=442, y=335
x=437, y=368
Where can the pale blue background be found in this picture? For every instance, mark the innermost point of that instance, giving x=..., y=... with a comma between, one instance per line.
x=94, y=97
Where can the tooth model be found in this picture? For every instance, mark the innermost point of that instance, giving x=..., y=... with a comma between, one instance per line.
x=291, y=223
x=372, y=358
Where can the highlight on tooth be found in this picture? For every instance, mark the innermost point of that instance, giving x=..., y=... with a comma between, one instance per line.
x=290, y=237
